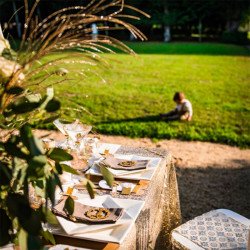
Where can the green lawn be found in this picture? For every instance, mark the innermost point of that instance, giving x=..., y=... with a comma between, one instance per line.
x=214, y=77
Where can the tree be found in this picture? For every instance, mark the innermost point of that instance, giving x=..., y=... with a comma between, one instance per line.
x=187, y=16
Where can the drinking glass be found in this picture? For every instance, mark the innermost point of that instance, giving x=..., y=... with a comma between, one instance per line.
x=90, y=147
x=65, y=127
x=77, y=135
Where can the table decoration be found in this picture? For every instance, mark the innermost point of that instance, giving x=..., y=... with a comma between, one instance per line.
x=114, y=232
x=110, y=232
x=124, y=164
x=160, y=206
x=67, y=247
x=88, y=214
x=107, y=148
x=137, y=174
x=119, y=185
x=75, y=133
x=62, y=127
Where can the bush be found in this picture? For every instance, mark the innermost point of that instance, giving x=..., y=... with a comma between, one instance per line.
x=236, y=37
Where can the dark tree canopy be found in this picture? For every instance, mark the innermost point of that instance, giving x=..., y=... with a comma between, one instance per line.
x=185, y=16
x=211, y=18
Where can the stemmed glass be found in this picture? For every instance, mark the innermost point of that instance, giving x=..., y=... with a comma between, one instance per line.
x=64, y=127
x=77, y=134
x=77, y=140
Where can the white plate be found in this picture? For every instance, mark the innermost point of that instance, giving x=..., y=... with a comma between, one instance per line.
x=103, y=184
x=64, y=247
x=112, y=148
x=141, y=174
x=102, y=232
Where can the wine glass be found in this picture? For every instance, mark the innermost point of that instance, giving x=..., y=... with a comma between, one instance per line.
x=59, y=125
x=77, y=132
x=64, y=127
x=77, y=135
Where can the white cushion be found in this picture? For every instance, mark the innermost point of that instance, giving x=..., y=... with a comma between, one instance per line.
x=193, y=240
x=185, y=241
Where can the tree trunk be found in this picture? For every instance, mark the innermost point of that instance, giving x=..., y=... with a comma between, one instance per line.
x=18, y=24
x=232, y=25
x=200, y=30
x=167, y=34
x=131, y=37
x=1, y=32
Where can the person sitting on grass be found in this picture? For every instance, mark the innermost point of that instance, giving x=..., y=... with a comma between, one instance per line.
x=183, y=110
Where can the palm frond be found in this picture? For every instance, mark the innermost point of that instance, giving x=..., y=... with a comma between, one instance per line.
x=68, y=29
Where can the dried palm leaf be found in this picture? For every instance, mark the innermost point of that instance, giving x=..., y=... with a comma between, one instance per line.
x=66, y=29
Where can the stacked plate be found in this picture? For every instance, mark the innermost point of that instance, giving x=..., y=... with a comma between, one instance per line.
x=108, y=232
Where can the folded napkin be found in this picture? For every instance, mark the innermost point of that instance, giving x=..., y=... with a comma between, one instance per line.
x=124, y=164
x=88, y=214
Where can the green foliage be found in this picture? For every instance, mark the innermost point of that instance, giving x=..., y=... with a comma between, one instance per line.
x=68, y=169
x=15, y=90
x=69, y=205
x=30, y=174
x=58, y=154
x=18, y=207
x=29, y=107
x=212, y=49
x=7, y=225
x=107, y=175
x=48, y=236
x=53, y=105
x=91, y=188
x=26, y=166
x=49, y=216
x=236, y=37
x=184, y=16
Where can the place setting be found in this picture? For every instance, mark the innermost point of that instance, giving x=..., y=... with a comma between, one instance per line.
x=90, y=156
x=105, y=218
x=131, y=167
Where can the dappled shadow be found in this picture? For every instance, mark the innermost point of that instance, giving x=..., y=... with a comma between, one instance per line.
x=189, y=48
x=242, y=162
x=149, y=118
x=204, y=189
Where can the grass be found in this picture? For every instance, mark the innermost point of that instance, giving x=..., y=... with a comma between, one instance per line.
x=215, y=78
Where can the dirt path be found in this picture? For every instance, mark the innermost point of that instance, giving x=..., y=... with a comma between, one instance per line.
x=193, y=154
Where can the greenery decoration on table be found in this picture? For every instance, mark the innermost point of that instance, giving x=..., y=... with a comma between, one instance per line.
x=25, y=166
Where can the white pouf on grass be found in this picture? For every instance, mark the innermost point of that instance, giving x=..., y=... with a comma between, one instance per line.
x=217, y=229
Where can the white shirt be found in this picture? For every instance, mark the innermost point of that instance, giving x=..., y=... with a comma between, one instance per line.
x=185, y=106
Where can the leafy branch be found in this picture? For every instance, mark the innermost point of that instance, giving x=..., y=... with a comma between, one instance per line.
x=29, y=173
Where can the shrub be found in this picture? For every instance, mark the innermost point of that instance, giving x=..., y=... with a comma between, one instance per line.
x=235, y=37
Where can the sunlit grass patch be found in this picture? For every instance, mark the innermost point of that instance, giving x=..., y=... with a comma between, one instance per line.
x=137, y=88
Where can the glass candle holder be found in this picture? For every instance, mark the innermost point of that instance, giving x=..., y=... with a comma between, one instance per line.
x=90, y=146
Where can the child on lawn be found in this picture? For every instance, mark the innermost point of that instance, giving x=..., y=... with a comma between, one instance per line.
x=183, y=110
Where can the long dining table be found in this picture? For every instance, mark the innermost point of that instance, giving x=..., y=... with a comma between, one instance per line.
x=159, y=215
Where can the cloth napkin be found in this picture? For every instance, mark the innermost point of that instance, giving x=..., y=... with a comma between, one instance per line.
x=81, y=212
x=124, y=164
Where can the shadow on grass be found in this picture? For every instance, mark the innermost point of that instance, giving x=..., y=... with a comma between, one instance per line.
x=150, y=118
x=186, y=48
x=204, y=189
